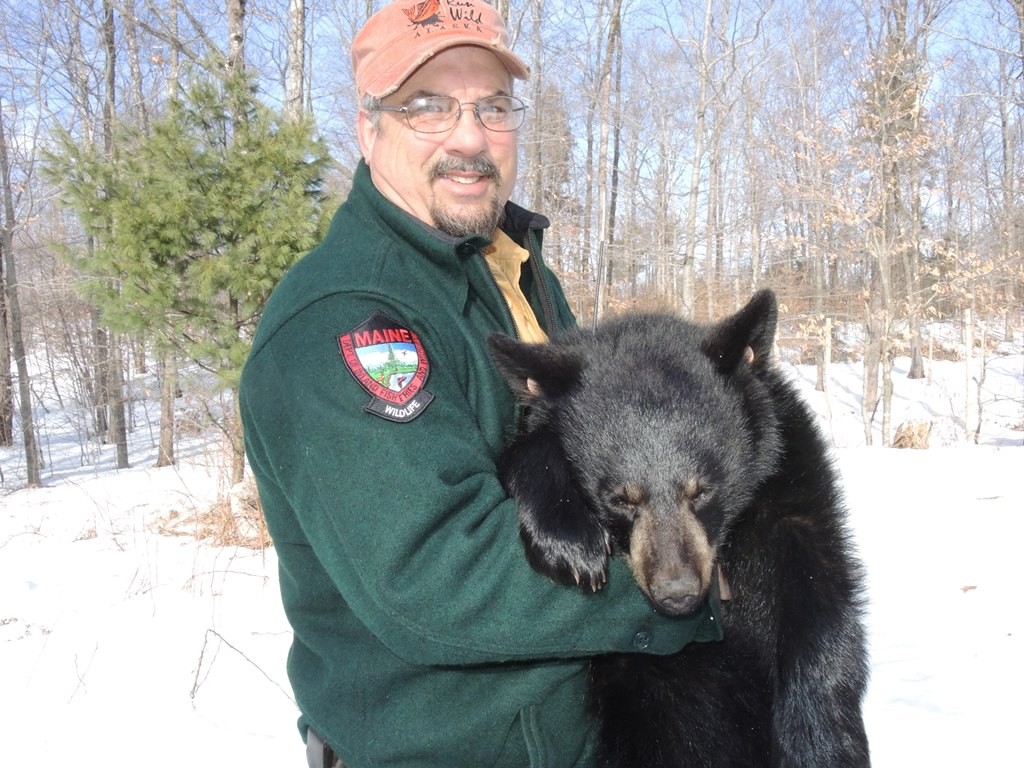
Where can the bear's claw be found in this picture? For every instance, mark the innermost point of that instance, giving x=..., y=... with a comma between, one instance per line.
x=579, y=559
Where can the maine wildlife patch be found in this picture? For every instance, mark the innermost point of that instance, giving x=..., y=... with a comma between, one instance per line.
x=389, y=362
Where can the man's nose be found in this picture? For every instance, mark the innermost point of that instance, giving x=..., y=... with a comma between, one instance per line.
x=469, y=135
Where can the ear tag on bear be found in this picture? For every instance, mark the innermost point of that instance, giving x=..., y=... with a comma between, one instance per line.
x=389, y=362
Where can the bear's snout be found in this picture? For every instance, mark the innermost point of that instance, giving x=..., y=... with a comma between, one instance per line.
x=677, y=596
x=672, y=559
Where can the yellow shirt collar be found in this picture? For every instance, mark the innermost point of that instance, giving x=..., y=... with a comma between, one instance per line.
x=505, y=259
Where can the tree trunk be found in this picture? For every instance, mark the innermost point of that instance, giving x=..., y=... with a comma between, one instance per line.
x=6, y=377
x=99, y=381
x=535, y=145
x=664, y=253
x=887, y=388
x=236, y=36
x=613, y=197
x=235, y=434
x=811, y=177
x=715, y=237
x=872, y=356
x=586, y=214
x=236, y=61
x=131, y=39
x=912, y=253
x=603, y=105
x=699, y=128
x=912, y=270
x=33, y=459
x=118, y=434
x=754, y=206
x=118, y=427
x=1009, y=139
x=294, y=93
x=174, y=64
x=970, y=402
x=168, y=396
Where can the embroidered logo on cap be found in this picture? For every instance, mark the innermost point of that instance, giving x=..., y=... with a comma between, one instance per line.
x=423, y=12
x=429, y=12
x=389, y=362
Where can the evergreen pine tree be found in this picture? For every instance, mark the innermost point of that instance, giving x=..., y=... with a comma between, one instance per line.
x=196, y=220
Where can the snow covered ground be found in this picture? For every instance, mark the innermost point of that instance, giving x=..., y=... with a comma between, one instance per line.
x=125, y=642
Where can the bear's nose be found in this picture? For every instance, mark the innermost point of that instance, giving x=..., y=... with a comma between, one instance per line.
x=677, y=597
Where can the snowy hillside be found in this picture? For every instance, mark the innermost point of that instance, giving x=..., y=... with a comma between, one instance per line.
x=125, y=642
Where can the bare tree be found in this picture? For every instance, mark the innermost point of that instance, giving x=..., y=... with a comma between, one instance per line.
x=603, y=173
x=130, y=28
x=1010, y=101
x=235, y=63
x=697, y=160
x=33, y=462
x=892, y=128
x=713, y=50
x=815, y=46
x=115, y=372
x=6, y=372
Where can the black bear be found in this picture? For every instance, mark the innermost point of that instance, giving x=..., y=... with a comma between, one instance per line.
x=682, y=448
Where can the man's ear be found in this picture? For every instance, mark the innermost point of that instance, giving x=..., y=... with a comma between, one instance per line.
x=367, y=133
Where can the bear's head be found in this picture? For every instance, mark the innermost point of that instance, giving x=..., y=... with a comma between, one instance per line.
x=648, y=436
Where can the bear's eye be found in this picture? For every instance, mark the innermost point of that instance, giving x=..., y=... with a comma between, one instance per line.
x=697, y=492
x=626, y=499
x=622, y=502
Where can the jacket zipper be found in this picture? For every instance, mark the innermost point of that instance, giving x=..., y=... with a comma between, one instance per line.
x=504, y=300
x=542, y=287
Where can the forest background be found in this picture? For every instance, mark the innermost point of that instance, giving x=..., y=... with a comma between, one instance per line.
x=163, y=162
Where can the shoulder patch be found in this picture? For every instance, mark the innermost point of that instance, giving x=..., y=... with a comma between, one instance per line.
x=389, y=362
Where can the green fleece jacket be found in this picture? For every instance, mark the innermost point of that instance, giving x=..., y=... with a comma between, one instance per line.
x=373, y=422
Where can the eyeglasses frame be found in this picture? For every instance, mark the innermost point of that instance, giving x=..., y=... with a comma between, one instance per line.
x=404, y=109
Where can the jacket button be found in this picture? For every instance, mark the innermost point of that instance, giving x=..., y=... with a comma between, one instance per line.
x=641, y=641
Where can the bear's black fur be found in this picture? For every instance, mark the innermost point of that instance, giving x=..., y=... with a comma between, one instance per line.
x=682, y=448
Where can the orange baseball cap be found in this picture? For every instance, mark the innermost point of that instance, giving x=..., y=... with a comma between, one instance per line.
x=403, y=35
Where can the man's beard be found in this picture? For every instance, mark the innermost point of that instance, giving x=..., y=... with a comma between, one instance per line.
x=474, y=221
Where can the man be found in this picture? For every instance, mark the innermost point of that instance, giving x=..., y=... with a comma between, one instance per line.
x=374, y=420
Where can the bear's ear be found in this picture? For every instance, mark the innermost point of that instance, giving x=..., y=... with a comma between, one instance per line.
x=534, y=371
x=746, y=336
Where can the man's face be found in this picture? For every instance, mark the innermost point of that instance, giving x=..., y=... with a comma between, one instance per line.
x=459, y=180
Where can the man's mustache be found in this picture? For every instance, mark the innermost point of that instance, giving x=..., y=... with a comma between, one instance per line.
x=480, y=166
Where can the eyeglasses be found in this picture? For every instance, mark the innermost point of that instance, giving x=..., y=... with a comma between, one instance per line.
x=437, y=114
